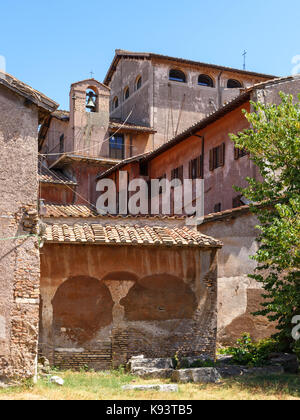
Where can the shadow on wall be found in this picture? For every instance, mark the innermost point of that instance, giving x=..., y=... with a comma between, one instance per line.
x=159, y=298
x=81, y=307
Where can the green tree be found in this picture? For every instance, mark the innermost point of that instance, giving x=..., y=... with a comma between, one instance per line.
x=273, y=142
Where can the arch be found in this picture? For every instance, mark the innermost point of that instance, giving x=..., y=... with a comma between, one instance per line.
x=138, y=82
x=234, y=84
x=205, y=80
x=126, y=93
x=177, y=76
x=81, y=307
x=159, y=297
x=115, y=103
x=92, y=97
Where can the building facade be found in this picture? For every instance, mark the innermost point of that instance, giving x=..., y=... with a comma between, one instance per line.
x=22, y=109
x=170, y=94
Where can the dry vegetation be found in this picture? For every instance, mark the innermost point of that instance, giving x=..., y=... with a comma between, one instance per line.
x=107, y=386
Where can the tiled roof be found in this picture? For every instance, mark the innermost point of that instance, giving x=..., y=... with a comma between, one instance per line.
x=47, y=176
x=82, y=211
x=33, y=95
x=123, y=163
x=126, y=234
x=120, y=125
x=61, y=115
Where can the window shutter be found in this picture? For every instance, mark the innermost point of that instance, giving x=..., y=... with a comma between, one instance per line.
x=236, y=153
x=172, y=174
x=222, y=154
x=190, y=170
x=199, y=167
x=211, y=160
x=180, y=173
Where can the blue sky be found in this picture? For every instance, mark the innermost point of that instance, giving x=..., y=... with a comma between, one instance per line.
x=51, y=44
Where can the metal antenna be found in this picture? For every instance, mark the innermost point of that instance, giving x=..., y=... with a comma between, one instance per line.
x=244, y=54
x=92, y=74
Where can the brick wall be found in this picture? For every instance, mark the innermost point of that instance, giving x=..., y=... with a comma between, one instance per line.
x=19, y=258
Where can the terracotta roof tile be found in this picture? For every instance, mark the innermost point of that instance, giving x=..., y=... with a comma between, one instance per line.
x=82, y=211
x=47, y=176
x=125, y=234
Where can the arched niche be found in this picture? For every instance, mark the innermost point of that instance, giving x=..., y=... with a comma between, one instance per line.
x=81, y=307
x=159, y=297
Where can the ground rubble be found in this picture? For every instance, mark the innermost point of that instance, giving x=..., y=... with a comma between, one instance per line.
x=164, y=368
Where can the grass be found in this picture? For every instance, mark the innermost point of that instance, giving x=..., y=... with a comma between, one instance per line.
x=108, y=386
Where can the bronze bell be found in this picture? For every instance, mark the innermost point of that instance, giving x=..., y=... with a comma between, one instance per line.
x=91, y=104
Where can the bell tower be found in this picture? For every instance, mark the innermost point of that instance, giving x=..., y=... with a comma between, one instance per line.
x=89, y=119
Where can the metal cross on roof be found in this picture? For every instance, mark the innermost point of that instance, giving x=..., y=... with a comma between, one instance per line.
x=92, y=74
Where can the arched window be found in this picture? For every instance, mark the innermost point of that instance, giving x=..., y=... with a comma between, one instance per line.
x=177, y=76
x=126, y=93
x=204, y=80
x=234, y=84
x=115, y=102
x=138, y=83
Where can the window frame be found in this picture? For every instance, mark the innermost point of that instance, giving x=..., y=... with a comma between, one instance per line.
x=209, y=79
x=177, y=79
x=234, y=81
x=114, y=149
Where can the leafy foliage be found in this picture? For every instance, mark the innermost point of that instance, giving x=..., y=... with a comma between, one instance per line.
x=248, y=353
x=274, y=146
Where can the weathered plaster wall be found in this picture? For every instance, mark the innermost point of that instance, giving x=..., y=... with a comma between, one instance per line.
x=19, y=258
x=238, y=296
x=137, y=106
x=102, y=304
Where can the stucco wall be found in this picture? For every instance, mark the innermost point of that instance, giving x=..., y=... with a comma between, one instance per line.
x=19, y=258
x=152, y=301
x=238, y=295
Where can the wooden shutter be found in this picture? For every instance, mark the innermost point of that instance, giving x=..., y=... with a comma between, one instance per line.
x=190, y=169
x=211, y=160
x=236, y=153
x=199, y=167
x=222, y=154
x=180, y=173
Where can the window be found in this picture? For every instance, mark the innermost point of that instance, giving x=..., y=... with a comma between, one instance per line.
x=177, y=76
x=144, y=168
x=138, y=83
x=177, y=173
x=218, y=208
x=236, y=202
x=116, y=147
x=217, y=157
x=196, y=168
x=204, y=80
x=239, y=153
x=62, y=143
x=115, y=103
x=234, y=84
x=126, y=93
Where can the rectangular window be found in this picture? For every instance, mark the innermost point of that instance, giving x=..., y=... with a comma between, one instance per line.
x=218, y=208
x=116, y=147
x=196, y=168
x=239, y=153
x=217, y=157
x=177, y=173
x=62, y=143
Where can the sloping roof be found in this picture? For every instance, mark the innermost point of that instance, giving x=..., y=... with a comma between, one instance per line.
x=32, y=95
x=47, y=176
x=123, y=163
x=117, y=234
x=68, y=158
x=142, y=56
x=128, y=127
x=61, y=114
x=82, y=211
